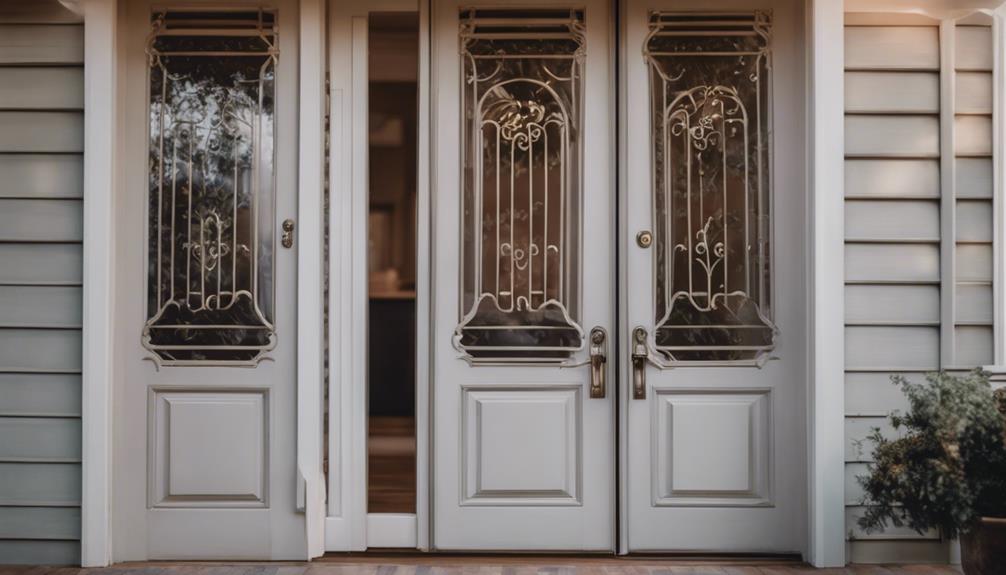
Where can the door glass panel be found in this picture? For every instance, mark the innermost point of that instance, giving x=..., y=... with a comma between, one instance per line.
x=211, y=186
x=521, y=148
x=710, y=82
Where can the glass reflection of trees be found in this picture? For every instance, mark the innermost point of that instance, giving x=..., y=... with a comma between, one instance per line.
x=211, y=180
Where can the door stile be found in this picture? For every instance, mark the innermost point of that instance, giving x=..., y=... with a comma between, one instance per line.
x=310, y=304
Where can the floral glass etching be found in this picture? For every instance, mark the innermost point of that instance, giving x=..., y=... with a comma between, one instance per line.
x=521, y=176
x=211, y=186
x=710, y=82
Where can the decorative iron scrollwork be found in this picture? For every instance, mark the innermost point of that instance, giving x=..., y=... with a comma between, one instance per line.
x=521, y=105
x=211, y=186
x=710, y=81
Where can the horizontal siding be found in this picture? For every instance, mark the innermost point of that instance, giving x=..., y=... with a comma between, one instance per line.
x=41, y=44
x=894, y=179
x=42, y=394
x=42, y=176
x=40, y=350
x=40, y=439
x=32, y=131
x=41, y=264
x=40, y=523
x=40, y=484
x=52, y=88
x=40, y=306
x=32, y=552
x=894, y=231
x=41, y=234
x=41, y=220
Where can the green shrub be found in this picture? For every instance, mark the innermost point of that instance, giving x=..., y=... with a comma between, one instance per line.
x=947, y=466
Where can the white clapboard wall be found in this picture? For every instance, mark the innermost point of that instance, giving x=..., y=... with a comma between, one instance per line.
x=41, y=185
x=918, y=229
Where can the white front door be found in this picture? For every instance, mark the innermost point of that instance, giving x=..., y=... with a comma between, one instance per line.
x=205, y=429
x=523, y=268
x=715, y=275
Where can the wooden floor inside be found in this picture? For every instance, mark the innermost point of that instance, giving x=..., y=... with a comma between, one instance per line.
x=434, y=564
x=391, y=465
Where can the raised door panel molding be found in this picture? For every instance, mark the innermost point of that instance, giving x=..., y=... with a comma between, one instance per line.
x=713, y=447
x=520, y=445
x=208, y=448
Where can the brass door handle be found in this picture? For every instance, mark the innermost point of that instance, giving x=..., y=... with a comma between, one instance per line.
x=287, y=237
x=639, y=358
x=598, y=359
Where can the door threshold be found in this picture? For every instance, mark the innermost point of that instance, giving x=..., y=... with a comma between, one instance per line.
x=572, y=557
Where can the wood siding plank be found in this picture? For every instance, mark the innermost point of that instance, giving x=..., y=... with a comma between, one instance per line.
x=40, y=306
x=49, y=394
x=892, y=48
x=886, y=263
x=45, y=523
x=893, y=178
x=40, y=484
x=40, y=350
x=973, y=346
x=41, y=264
x=55, y=88
x=973, y=93
x=895, y=220
x=892, y=92
x=973, y=135
x=41, y=44
x=39, y=439
x=973, y=48
x=973, y=177
x=41, y=220
x=58, y=132
x=41, y=176
x=892, y=347
x=892, y=136
x=892, y=304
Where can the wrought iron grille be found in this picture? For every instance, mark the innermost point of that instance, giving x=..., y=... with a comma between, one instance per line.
x=211, y=187
x=521, y=169
x=710, y=91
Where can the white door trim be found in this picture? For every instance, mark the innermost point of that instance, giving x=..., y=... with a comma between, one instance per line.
x=310, y=287
x=101, y=94
x=826, y=285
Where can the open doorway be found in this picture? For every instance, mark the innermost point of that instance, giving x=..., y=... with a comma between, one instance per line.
x=393, y=107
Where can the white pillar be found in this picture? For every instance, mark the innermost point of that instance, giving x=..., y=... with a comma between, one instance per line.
x=826, y=393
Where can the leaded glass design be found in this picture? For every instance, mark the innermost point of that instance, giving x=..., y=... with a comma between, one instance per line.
x=211, y=187
x=522, y=84
x=710, y=82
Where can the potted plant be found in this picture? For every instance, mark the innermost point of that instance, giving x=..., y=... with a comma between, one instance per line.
x=946, y=469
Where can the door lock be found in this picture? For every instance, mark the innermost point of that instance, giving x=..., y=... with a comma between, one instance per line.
x=598, y=359
x=644, y=239
x=639, y=357
x=287, y=237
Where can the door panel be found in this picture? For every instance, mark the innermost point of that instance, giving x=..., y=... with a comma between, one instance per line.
x=206, y=453
x=715, y=294
x=523, y=262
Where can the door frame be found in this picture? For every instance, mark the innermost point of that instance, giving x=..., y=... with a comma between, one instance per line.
x=348, y=525
x=103, y=141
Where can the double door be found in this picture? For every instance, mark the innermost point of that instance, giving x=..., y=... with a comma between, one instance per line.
x=619, y=276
